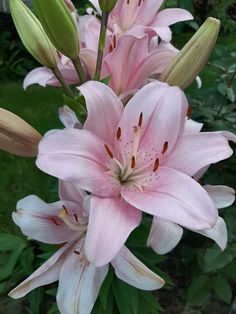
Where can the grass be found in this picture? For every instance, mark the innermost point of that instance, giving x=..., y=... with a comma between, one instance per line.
x=19, y=176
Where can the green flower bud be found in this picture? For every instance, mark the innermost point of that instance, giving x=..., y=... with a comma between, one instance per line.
x=59, y=25
x=32, y=34
x=107, y=5
x=191, y=59
x=17, y=136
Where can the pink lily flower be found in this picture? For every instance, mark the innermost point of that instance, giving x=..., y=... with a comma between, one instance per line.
x=79, y=280
x=135, y=159
x=137, y=17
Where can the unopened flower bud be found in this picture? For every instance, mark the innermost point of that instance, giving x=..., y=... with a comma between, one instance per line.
x=32, y=34
x=191, y=59
x=17, y=136
x=59, y=25
x=107, y=5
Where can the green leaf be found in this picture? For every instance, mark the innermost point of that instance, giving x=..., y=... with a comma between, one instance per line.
x=198, y=290
x=27, y=258
x=106, y=80
x=105, y=288
x=148, y=297
x=35, y=298
x=215, y=259
x=9, y=242
x=126, y=297
x=222, y=289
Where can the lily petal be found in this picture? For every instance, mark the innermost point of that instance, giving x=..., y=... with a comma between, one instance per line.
x=39, y=220
x=77, y=156
x=69, y=118
x=79, y=284
x=164, y=235
x=110, y=223
x=49, y=272
x=195, y=151
x=222, y=196
x=174, y=196
x=129, y=269
x=104, y=110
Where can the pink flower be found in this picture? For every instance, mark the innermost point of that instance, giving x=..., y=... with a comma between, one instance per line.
x=137, y=17
x=79, y=280
x=134, y=159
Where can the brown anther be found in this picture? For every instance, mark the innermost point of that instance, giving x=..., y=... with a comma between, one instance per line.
x=133, y=162
x=76, y=217
x=139, y=3
x=127, y=1
x=110, y=48
x=114, y=41
x=118, y=133
x=156, y=165
x=189, y=113
x=165, y=147
x=76, y=252
x=54, y=221
x=140, y=120
x=108, y=150
x=65, y=209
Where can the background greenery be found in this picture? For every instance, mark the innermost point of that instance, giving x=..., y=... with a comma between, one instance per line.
x=202, y=278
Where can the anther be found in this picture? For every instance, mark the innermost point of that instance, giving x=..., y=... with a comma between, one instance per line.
x=156, y=165
x=76, y=218
x=133, y=162
x=118, y=133
x=114, y=41
x=108, y=150
x=65, y=209
x=110, y=48
x=140, y=120
x=189, y=113
x=54, y=221
x=76, y=252
x=165, y=147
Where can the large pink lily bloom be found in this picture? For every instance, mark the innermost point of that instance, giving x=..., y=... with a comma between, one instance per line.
x=134, y=159
x=137, y=17
x=79, y=280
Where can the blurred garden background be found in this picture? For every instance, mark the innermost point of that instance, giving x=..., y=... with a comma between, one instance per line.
x=203, y=280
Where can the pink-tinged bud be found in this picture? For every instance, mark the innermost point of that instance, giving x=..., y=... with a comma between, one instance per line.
x=191, y=59
x=17, y=136
x=32, y=34
x=107, y=5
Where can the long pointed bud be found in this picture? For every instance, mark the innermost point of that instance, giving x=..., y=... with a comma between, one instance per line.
x=17, y=136
x=59, y=25
x=191, y=59
x=32, y=34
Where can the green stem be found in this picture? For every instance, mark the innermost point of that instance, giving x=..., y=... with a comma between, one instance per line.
x=101, y=45
x=65, y=86
x=79, y=69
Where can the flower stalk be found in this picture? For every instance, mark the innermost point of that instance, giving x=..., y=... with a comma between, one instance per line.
x=64, y=84
x=101, y=44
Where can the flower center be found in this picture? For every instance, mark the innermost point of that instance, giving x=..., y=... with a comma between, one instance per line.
x=133, y=167
x=74, y=221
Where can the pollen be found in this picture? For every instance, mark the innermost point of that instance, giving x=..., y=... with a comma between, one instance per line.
x=156, y=165
x=189, y=113
x=165, y=147
x=109, y=152
x=76, y=252
x=118, y=133
x=76, y=217
x=65, y=209
x=62, y=214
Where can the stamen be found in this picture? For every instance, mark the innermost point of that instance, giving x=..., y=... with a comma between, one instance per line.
x=127, y=1
x=156, y=165
x=118, y=133
x=189, y=113
x=76, y=252
x=110, y=48
x=108, y=151
x=114, y=41
x=54, y=221
x=140, y=121
x=165, y=147
x=135, y=128
x=65, y=209
x=62, y=214
x=133, y=162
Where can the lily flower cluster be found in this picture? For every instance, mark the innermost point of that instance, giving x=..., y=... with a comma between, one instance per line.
x=137, y=151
